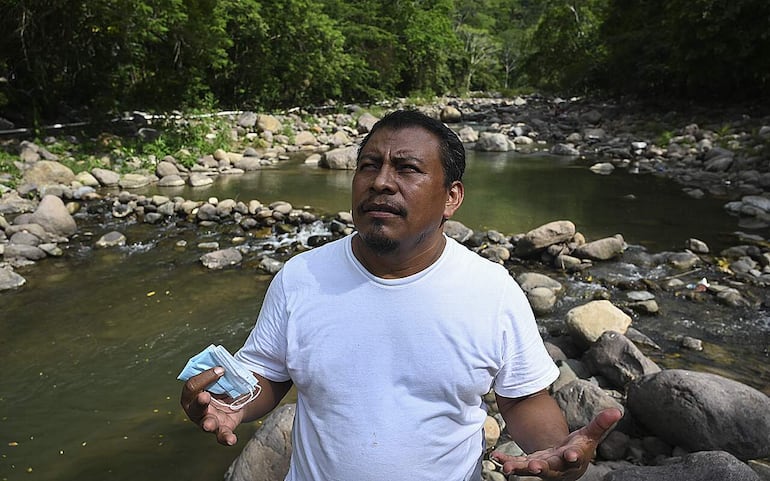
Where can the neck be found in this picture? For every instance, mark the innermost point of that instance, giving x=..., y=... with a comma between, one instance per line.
x=402, y=262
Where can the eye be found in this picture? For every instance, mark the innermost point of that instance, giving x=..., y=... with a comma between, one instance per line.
x=366, y=165
x=409, y=168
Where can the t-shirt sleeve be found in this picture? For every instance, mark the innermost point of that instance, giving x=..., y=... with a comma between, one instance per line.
x=264, y=351
x=527, y=367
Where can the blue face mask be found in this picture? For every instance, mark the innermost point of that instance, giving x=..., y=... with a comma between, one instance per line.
x=238, y=383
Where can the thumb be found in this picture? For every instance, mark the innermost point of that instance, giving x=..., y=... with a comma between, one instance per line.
x=602, y=424
x=201, y=381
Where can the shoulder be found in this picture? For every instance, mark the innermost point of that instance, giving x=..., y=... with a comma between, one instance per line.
x=317, y=258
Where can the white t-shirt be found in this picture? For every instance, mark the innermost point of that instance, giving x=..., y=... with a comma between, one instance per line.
x=390, y=373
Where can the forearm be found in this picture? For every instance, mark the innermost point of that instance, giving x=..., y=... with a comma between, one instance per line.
x=271, y=395
x=535, y=422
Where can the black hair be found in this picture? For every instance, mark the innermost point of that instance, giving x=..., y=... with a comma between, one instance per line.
x=452, y=151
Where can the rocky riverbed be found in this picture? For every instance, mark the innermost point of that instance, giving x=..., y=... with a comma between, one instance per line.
x=587, y=293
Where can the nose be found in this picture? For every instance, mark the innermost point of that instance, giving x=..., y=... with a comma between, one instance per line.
x=385, y=180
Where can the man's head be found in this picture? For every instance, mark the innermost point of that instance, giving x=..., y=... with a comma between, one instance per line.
x=451, y=150
x=407, y=183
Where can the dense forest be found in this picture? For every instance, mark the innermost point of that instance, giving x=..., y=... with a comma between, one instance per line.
x=81, y=59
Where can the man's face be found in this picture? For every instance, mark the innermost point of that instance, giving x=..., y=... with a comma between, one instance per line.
x=399, y=196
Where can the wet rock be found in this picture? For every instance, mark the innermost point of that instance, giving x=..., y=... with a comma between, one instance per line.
x=616, y=358
x=10, y=279
x=541, y=237
x=270, y=265
x=691, y=343
x=222, y=258
x=588, y=322
x=496, y=253
x=20, y=251
x=266, y=456
x=111, y=239
x=199, y=180
x=701, y=466
x=702, y=411
x=602, y=249
x=697, y=246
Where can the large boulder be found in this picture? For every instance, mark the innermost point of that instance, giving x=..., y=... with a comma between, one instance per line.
x=343, y=158
x=701, y=466
x=702, y=411
x=616, y=358
x=45, y=173
x=54, y=217
x=266, y=455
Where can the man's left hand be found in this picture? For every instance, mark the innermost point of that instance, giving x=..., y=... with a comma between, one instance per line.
x=566, y=462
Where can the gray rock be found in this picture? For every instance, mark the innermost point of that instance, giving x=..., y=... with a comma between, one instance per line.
x=541, y=237
x=199, y=180
x=222, y=258
x=616, y=358
x=247, y=119
x=340, y=159
x=565, y=149
x=268, y=123
x=365, y=122
x=111, y=239
x=703, y=411
x=701, y=466
x=581, y=400
x=454, y=229
x=106, y=177
x=54, y=217
x=697, y=246
x=602, y=249
x=10, y=280
x=270, y=265
x=135, y=181
x=266, y=456
x=45, y=173
x=494, y=142
x=21, y=251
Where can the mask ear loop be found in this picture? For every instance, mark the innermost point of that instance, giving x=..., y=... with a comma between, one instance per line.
x=240, y=403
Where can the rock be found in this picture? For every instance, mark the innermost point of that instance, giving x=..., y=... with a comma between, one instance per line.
x=491, y=431
x=703, y=411
x=454, y=229
x=697, y=246
x=701, y=466
x=305, y=138
x=365, y=122
x=173, y=180
x=602, y=249
x=222, y=258
x=450, y=115
x=54, y=217
x=247, y=119
x=165, y=168
x=565, y=149
x=541, y=237
x=344, y=158
x=45, y=173
x=268, y=123
x=581, y=400
x=111, y=239
x=107, y=178
x=588, y=322
x=468, y=134
x=266, y=456
x=199, y=180
x=496, y=253
x=270, y=265
x=10, y=280
x=616, y=358
x=135, y=181
x=12, y=203
x=493, y=142
x=21, y=251
x=602, y=168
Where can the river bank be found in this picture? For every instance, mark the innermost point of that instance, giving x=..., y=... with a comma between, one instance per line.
x=651, y=288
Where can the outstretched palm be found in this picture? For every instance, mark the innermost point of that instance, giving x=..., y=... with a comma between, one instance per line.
x=566, y=462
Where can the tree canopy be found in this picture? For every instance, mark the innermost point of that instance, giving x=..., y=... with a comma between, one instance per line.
x=90, y=58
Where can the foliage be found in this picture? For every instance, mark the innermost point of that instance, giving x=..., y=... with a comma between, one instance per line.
x=64, y=60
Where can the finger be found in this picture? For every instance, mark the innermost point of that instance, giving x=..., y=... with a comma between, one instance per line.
x=200, y=381
x=226, y=436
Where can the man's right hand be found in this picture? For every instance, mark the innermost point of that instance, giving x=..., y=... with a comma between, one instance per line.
x=211, y=417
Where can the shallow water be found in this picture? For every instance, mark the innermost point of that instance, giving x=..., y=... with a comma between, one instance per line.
x=92, y=344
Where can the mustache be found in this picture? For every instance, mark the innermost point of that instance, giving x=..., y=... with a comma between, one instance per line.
x=382, y=206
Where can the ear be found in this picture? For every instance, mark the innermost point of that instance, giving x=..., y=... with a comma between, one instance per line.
x=454, y=199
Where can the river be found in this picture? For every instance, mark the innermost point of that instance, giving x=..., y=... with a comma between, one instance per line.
x=92, y=344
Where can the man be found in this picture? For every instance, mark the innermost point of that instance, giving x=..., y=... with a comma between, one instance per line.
x=392, y=336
